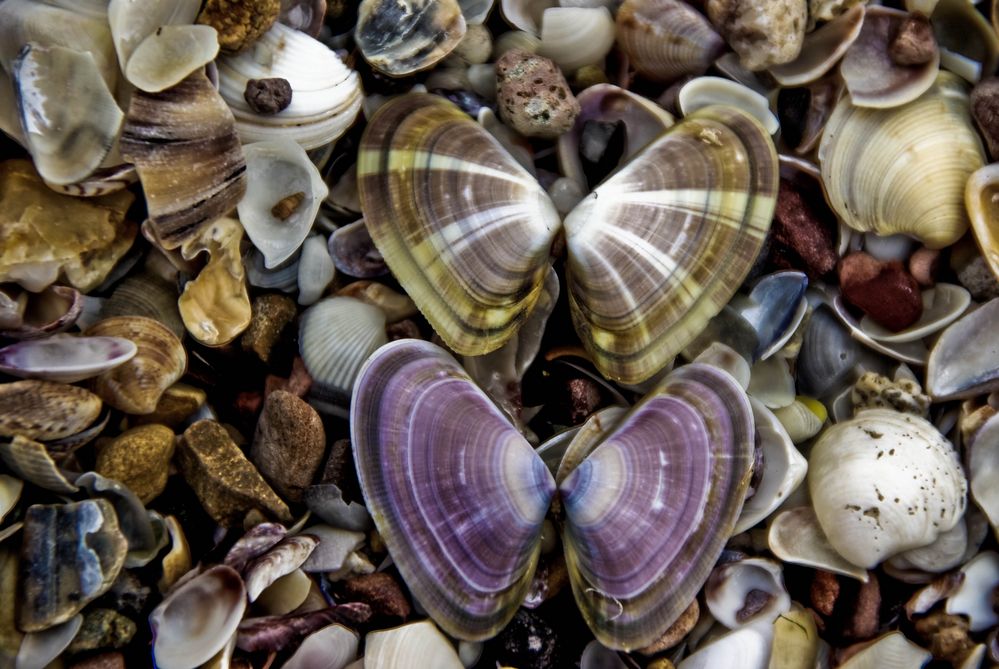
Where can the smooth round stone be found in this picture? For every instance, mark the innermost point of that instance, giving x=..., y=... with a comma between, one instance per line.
x=289, y=444
x=139, y=459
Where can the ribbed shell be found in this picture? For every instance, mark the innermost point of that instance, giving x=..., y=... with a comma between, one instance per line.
x=660, y=247
x=464, y=228
x=667, y=39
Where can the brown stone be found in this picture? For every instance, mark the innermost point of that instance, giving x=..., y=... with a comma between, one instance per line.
x=824, y=592
x=924, y=264
x=882, y=290
x=102, y=628
x=139, y=459
x=533, y=96
x=985, y=111
x=268, y=96
x=914, y=43
x=102, y=661
x=801, y=237
x=239, y=23
x=271, y=314
x=289, y=444
x=865, y=613
x=677, y=631
x=381, y=592
x=176, y=405
x=226, y=483
x=947, y=636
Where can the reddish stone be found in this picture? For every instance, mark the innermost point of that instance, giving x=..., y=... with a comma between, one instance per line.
x=381, y=592
x=404, y=329
x=249, y=402
x=924, y=264
x=802, y=235
x=584, y=398
x=882, y=290
x=865, y=614
x=824, y=592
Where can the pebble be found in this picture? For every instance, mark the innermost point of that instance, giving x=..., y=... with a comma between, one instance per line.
x=864, y=614
x=914, y=43
x=127, y=595
x=946, y=635
x=102, y=661
x=289, y=444
x=225, y=482
x=176, y=405
x=824, y=592
x=140, y=459
x=297, y=383
x=800, y=237
x=102, y=628
x=976, y=276
x=882, y=290
x=380, y=591
x=271, y=315
x=924, y=264
x=268, y=96
x=763, y=32
x=533, y=95
x=584, y=398
x=527, y=642
x=239, y=23
x=985, y=111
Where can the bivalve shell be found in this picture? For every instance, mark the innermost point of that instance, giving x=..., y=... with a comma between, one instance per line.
x=419, y=644
x=399, y=37
x=965, y=360
x=981, y=197
x=65, y=358
x=45, y=410
x=332, y=647
x=892, y=651
x=667, y=39
x=821, y=50
x=576, y=36
x=735, y=591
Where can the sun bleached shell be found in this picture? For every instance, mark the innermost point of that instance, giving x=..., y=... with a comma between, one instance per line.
x=667, y=39
x=964, y=362
x=795, y=536
x=65, y=359
x=973, y=597
x=332, y=647
x=730, y=586
x=576, y=36
x=892, y=651
x=821, y=49
x=169, y=55
x=420, y=642
x=750, y=644
x=705, y=91
x=399, y=37
x=883, y=483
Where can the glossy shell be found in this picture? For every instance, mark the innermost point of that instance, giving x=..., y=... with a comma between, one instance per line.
x=964, y=361
x=65, y=359
x=399, y=37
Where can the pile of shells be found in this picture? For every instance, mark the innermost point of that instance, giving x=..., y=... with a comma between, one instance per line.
x=628, y=334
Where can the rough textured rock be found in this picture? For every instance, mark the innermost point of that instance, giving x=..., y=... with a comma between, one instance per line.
x=226, y=483
x=139, y=459
x=271, y=314
x=882, y=290
x=102, y=628
x=176, y=405
x=801, y=237
x=289, y=444
x=763, y=32
x=533, y=96
x=528, y=642
x=268, y=96
x=382, y=592
x=914, y=43
x=239, y=23
x=985, y=111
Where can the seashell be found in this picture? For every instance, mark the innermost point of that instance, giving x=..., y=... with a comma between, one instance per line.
x=197, y=618
x=284, y=277
x=802, y=419
x=287, y=556
x=332, y=647
x=973, y=597
x=285, y=595
x=145, y=532
x=326, y=501
x=706, y=91
x=983, y=467
x=887, y=248
x=872, y=77
x=65, y=359
x=66, y=143
x=71, y=554
x=284, y=192
x=980, y=198
x=32, y=463
x=307, y=16
x=726, y=358
x=511, y=140
x=727, y=327
x=666, y=39
x=273, y=633
x=891, y=651
x=256, y=542
x=869, y=185
x=605, y=103
x=525, y=15
x=962, y=32
x=399, y=38
x=354, y=253
x=335, y=550
x=39, y=247
x=596, y=656
x=942, y=305
x=315, y=270
x=177, y=561
x=131, y=23
x=397, y=306
x=563, y=452
x=828, y=355
x=784, y=469
x=946, y=552
x=911, y=352
x=629, y=596
x=574, y=37
x=795, y=536
x=775, y=308
x=963, y=362
x=145, y=294
x=883, y=483
x=136, y=386
x=519, y=39
x=38, y=649
x=750, y=644
x=45, y=410
x=419, y=642
x=747, y=592
x=476, y=11
x=771, y=383
x=215, y=306
x=184, y=145
x=10, y=493
x=169, y=55
x=821, y=49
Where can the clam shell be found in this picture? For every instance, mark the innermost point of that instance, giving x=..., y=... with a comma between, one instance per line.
x=32, y=463
x=476, y=11
x=690, y=216
x=168, y=55
x=283, y=277
x=275, y=170
x=399, y=646
x=332, y=647
x=731, y=585
x=196, y=619
x=67, y=141
x=910, y=352
x=771, y=383
x=146, y=295
x=583, y=441
x=883, y=483
x=525, y=15
x=399, y=37
x=942, y=305
x=963, y=33
x=326, y=94
x=980, y=198
x=821, y=49
x=287, y=556
x=576, y=36
x=964, y=361
x=872, y=77
x=285, y=594
x=54, y=310
x=256, y=542
x=875, y=161
x=397, y=306
x=726, y=358
x=795, y=536
x=775, y=307
x=45, y=410
x=354, y=253
x=65, y=359
x=136, y=386
x=183, y=143
x=666, y=39
x=474, y=264
x=892, y=651
x=706, y=91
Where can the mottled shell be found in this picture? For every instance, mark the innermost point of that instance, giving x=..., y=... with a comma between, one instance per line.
x=399, y=37
x=464, y=228
x=45, y=410
x=875, y=164
x=667, y=39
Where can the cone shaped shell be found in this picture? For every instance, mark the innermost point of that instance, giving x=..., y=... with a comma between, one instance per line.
x=462, y=225
x=659, y=248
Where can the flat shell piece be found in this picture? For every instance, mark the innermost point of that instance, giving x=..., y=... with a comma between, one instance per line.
x=892, y=651
x=795, y=536
x=872, y=77
x=462, y=225
x=420, y=456
x=67, y=141
x=705, y=91
x=38, y=649
x=71, y=554
x=821, y=49
x=65, y=359
x=399, y=37
x=964, y=361
x=10, y=493
x=420, y=643
x=169, y=55
x=32, y=463
x=45, y=410
x=943, y=304
x=132, y=22
x=332, y=647
x=284, y=558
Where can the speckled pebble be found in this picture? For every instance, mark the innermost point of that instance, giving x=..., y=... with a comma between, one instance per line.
x=139, y=459
x=102, y=628
x=289, y=443
x=976, y=276
x=271, y=314
x=239, y=23
x=914, y=43
x=763, y=32
x=873, y=391
x=885, y=291
x=533, y=95
x=528, y=642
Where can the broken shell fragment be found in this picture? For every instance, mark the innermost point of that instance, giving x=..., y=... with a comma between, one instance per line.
x=892, y=651
x=197, y=619
x=284, y=558
x=396, y=647
x=796, y=537
x=171, y=53
x=975, y=595
x=10, y=493
x=399, y=37
x=32, y=463
x=983, y=466
x=65, y=359
x=45, y=410
x=705, y=91
x=333, y=647
x=981, y=197
x=666, y=39
x=964, y=362
x=746, y=592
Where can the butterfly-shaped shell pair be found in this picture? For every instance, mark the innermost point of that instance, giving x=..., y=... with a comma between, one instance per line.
x=460, y=496
x=654, y=252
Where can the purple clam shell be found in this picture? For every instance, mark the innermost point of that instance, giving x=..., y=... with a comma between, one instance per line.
x=457, y=493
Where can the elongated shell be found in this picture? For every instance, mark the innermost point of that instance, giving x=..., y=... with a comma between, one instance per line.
x=964, y=361
x=659, y=248
x=65, y=359
x=875, y=164
x=667, y=39
x=464, y=228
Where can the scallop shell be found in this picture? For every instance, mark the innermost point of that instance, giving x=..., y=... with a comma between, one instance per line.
x=136, y=386
x=399, y=37
x=576, y=36
x=65, y=359
x=184, y=146
x=45, y=410
x=667, y=39
x=875, y=161
x=326, y=94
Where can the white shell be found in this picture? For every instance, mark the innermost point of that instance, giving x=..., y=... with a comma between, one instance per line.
x=800, y=422
x=750, y=644
x=576, y=36
x=414, y=645
x=315, y=270
x=725, y=357
x=277, y=169
x=132, y=22
x=525, y=14
x=169, y=55
x=795, y=536
x=946, y=552
x=332, y=647
x=983, y=464
x=326, y=94
x=65, y=358
x=974, y=597
x=942, y=305
x=335, y=547
x=730, y=584
x=884, y=482
x=283, y=559
x=821, y=49
x=771, y=383
x=965, y=361
x=892, y=651
x=912, y=352
x=285, y=594
x=704, y=91
x=38, y=649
